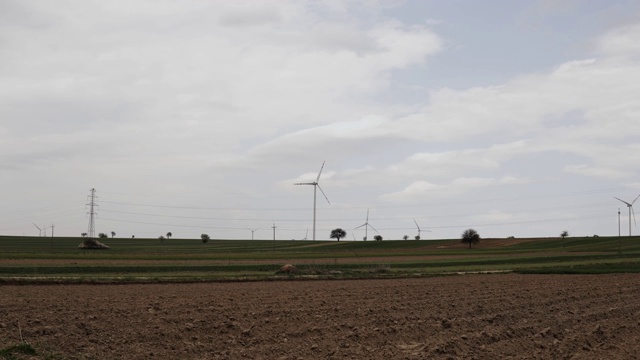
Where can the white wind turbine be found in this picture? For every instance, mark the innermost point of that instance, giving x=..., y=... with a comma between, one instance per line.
x=419, y=230
x=316, y=186
x=366, y=227
x=630, y=206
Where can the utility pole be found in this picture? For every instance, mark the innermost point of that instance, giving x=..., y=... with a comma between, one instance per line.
x=274, y=237
x=92, y=213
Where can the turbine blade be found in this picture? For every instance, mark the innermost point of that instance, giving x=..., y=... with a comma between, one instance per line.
x=325, y=196
x=367, y=215
x=622, y=201
x=320, y=173
x=634, y=216
x=634, y=200
x=304, y=184
x=360, y=226
x=373, y=227
x=414, y=220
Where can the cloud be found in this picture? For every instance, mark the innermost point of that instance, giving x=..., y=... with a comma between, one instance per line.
x=620, y=42
x=423, y=190
x=206, y=97
x=575, y=108
x=184, y=77
x=251, y=16
x=592, y=171
x=436, y=165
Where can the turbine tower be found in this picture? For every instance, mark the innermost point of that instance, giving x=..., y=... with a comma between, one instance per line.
x=316, y=186
x=630, y=206
x=366, y=227
x=618, y=222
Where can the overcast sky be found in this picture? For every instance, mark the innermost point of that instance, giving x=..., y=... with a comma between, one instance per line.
x=515, y=118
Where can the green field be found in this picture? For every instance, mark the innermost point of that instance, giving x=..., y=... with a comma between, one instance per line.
x=39, y=259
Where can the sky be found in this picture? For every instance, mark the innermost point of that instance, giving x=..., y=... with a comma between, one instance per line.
x=514, y=118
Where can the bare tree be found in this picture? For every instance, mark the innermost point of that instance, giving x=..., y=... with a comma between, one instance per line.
x=470, y=236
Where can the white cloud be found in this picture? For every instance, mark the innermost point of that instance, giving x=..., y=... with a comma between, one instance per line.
x=586, y=170
x=207, y=98
x=622, y=41
x=422, y=190
x=251, y=16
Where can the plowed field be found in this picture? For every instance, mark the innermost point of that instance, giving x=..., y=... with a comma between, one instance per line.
x=455, y=317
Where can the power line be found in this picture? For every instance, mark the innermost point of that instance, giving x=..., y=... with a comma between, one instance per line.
x=176, y=225
x=507, y=223
x=430, y=204
x=30, y=211
x=348, y=219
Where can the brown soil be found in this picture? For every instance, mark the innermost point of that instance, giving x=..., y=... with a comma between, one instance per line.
x=455, y=317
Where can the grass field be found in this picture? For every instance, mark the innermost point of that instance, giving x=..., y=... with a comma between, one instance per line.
x=29, y=259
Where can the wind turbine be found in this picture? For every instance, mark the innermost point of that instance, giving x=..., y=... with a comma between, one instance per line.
x=618, y=222
x=252, y=231
x=419, y=230
x=630, y=206
x=306, y=234
x=366, y=227
x=40, y=230
x=316, y=186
